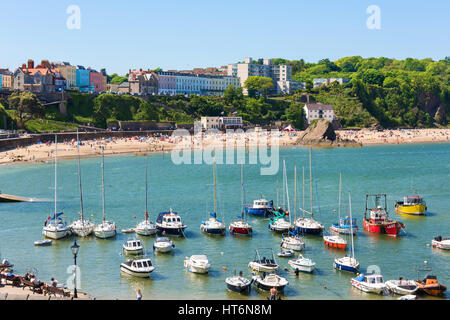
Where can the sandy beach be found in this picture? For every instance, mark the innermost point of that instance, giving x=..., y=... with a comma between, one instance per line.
x=44, y=152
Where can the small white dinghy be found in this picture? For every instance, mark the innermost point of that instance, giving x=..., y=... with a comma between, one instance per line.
x=371, y=283
x=408, y=297
x=47, y=242
x=197, y=263
x=441, y=243
x=138, y=268
x=286, y=253
x=292, y=241
x=238, y=284
x=402, y=287
x=268, y=281
x=129, y=230
x=302, y=264
x=133, y=246
x=163, y=244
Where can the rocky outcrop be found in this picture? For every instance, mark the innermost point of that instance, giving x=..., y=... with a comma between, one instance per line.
x=321, y=133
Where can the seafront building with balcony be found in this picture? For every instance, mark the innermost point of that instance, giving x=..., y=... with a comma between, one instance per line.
x=281, y=75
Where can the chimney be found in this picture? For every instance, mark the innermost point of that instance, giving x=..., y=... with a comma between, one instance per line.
x=307, y=98
x=30, y=64
x=24, y=66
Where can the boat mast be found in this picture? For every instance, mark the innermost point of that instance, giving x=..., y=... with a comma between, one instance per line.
x=287, y=190
x=284, y=189
x=79, y=179
x=146, y=187
x=56, y=172
x=310, y=183
x=340, y=188
x=103, y=184
x=351, y=223
x=295, y=192
x=214, y=182
x=242, y=191
x=277, y=193
x=303, y=193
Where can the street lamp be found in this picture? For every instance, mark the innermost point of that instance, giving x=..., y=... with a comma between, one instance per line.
x=75, y=248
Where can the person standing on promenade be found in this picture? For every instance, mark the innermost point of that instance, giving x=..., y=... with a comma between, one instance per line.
x=139, y=295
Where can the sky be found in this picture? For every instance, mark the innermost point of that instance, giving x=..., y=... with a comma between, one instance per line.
x=180, y=34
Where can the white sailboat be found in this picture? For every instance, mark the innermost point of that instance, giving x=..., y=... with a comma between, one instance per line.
x=309, y=225
x=106, y=229
x=81, y=227
x=55, y=227
x=146, y=227
x=279, y=223
x=293, y=241
x=213, y=225
x=241, y=226
x=348, y=263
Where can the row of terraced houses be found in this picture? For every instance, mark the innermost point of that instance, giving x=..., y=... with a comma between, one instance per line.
x=58, y=76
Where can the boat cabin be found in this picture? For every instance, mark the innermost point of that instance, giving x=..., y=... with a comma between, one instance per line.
x=346, y=222
x=261, y=204
x=378, y=215
x=410, y=201
x=168, y=218
x=133, y=244
x=373, y=278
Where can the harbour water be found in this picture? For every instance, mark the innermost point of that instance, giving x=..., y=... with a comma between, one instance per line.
x=396, y=170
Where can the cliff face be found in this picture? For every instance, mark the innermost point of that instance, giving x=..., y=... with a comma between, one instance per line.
x=321, y=133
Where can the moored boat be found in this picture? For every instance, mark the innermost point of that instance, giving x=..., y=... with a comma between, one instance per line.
x=260, y=208
x=43, y=242
x=197, y=263
x=286, y=253
x=238, y=283
x=268, y=281
x=241, y=226
x=169, y=223
x=441, y=243
x=163, y=244
x=302, y=264
x=138, y=268
x=402, y=287
x=415, y=206
x=376, y=220
x=292, y=241
x=146, y=227
x=133, y=247
x=263, y=264
x=335, y=242
x=431, y=286
x=344, y=226
x=370, y=283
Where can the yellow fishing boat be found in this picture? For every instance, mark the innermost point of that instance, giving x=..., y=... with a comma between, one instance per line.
x=415, y=206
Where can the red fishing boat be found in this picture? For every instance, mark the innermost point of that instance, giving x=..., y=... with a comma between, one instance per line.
x=241, y=226
x=377, y=219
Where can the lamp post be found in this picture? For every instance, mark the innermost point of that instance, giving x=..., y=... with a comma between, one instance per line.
x=75, y=248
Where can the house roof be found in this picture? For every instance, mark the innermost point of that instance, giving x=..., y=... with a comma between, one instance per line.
x=319, y=106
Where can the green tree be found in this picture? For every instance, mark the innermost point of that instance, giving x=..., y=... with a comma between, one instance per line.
x=294, y=114
x=255, y=84
x=26, y=103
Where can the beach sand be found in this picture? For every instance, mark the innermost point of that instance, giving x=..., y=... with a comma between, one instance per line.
x=44, y=152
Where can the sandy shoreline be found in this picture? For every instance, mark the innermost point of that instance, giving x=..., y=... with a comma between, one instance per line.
x=44, y=152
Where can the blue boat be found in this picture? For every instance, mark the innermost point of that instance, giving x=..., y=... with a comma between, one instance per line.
x=169, y=223
x=260, y=207
x=213, y=225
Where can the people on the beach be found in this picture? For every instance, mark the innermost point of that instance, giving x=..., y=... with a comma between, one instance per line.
x=54, y=283
x=139, y=295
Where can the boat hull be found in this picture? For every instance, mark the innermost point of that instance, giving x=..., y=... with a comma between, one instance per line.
x=55, y=235
x=259, y=212
x=313, y=231
x=414, y=210
x=163, y=249
x=337, y=245
x=215, y=231
x=104, y=234
x=390, y=228
x=133, y=252
x=295, y=247
x=369, y=289
x=302, y=268
x=343, y=267
x=171, y=231
x=343, y=229
x=139, y=274
x=261, y=268
x=441, y=244
x=241, y=231
x=238, y=289
x=267, y=287
x=408, y=287
x=145, y=232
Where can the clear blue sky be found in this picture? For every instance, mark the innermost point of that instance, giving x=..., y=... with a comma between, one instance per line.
x=181, y=34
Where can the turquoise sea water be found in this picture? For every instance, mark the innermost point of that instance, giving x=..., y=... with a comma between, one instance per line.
x=394, y=170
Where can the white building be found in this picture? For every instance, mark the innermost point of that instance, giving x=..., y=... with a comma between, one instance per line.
x=221, y=122
x=318, y=82
x=280, y=74
x=319, y=111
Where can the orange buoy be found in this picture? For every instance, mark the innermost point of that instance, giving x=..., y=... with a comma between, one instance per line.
x=224, y=268
x=325, y=287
